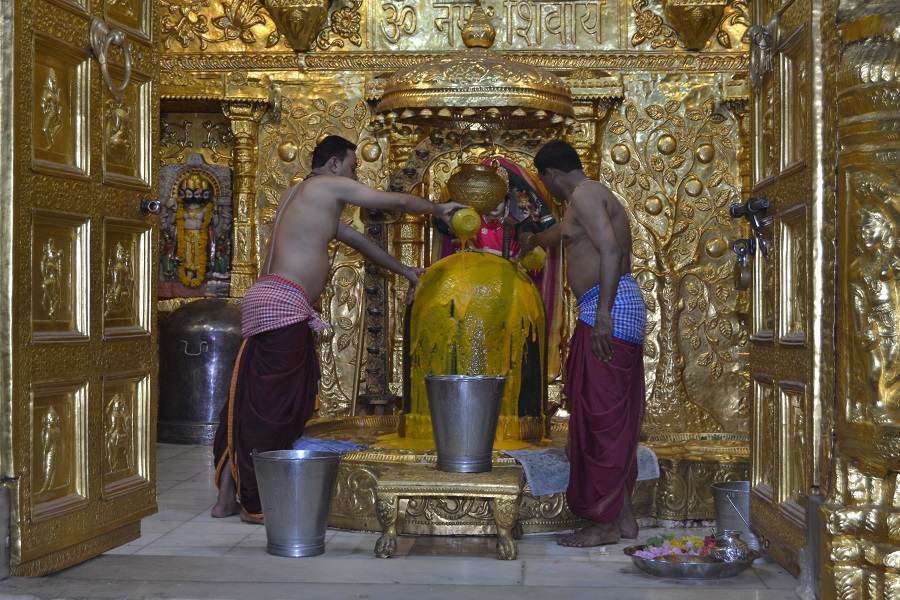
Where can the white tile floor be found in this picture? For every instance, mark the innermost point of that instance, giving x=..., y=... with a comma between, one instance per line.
x=184, y=553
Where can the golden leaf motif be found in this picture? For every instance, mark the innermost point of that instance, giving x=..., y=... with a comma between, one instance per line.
x=344, y=341
x=655, y=111
x=337, y=109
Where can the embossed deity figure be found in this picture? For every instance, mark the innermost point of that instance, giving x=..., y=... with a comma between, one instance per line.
x=51, y=108
x=118, y=433
x=121, y=282
x=876, y=307
x=51, y=271
x=50, y=435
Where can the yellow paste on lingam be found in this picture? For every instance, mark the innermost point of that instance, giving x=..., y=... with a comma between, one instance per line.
x=476, y=314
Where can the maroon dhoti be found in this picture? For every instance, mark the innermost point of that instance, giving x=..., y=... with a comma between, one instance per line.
x=606, y=402
x=273, y=395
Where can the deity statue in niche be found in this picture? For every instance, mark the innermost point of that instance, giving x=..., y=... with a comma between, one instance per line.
x=50, y=435
x=876, y=309
x=196, y=205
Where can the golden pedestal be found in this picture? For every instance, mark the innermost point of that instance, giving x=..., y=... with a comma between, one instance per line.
x=502, y=485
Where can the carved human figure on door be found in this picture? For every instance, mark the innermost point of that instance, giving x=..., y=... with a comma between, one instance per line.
x=118, y=432
x=50, y=436
x=876, y=305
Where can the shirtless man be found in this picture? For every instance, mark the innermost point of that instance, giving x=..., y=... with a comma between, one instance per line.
x=604, y=377
x=277, y=371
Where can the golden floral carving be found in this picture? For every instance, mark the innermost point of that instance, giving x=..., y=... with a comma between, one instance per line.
x=185, y=23
x=344, y=24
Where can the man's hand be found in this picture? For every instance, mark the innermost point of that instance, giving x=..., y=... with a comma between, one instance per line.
x=413, y=276
x=525, y=242
x=601, y=338
x=445, y=211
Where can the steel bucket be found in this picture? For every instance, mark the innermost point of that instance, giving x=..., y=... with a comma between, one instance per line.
x=295, y=488
x=464, y=414
x=732, y=500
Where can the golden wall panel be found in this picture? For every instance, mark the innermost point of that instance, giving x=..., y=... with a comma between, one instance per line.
x=208, y=134
x=232, y=27
x=669, y=151
x=341, y=353
x=126, y=278
x=59, y=275
x=126, y=127
x=125, y=453
x=59, y=459
x=792, y=256
x=59, y=98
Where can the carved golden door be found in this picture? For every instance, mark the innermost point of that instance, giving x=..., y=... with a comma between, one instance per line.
x=79, y=126
x=793, y=48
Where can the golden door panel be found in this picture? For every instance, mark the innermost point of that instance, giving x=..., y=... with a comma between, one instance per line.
x=126, y=278
x=764, y=284
x=130, y=16
x=795, y=93
x=764, y=451
x=794, y=270
x=59, y=108
x=793, y=480
x=126, y=411
x=767, y=154
x=77, y=6
x=58, y=452
x=126, y=145
x=59, y=270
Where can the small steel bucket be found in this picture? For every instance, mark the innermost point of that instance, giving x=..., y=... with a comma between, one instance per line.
x=732, y=501
x=295, y=488
x=464, y=414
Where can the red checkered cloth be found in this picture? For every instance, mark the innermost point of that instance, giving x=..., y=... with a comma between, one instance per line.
x=274, y=302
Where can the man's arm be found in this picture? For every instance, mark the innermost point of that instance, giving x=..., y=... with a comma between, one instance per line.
x=595, y=221
x=370, y=250
x=549, y=237
x=353, y=192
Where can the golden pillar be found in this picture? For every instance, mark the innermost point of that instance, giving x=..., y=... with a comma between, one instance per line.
x=861, y=518
x=244, y=116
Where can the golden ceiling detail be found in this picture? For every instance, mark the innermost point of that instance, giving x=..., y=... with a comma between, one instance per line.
x=298, y=20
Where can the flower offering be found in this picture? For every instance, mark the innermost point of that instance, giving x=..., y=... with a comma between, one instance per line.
x=672, y=548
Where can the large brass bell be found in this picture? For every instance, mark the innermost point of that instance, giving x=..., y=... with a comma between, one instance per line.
x=482, y=187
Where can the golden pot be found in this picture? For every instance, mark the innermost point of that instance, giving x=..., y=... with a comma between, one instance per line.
x=482, y=187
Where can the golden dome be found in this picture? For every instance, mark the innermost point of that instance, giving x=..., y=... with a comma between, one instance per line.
x=477, y=87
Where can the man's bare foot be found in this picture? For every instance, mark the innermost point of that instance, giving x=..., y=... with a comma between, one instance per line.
x=226, y=502
x=248, y=518
x=592, y=535
x=628, y=525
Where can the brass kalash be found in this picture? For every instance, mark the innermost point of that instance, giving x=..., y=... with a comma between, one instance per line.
x=474, y=314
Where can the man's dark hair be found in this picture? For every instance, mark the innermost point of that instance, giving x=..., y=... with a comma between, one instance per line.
x=331, y=146
x=557, y=154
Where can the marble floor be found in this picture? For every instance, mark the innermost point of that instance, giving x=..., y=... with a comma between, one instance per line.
x=183, y=553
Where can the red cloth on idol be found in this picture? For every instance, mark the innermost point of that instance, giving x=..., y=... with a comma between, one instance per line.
x=273, y=395
x=606, y=402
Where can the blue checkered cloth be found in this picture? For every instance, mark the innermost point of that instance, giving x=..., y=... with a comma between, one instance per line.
x=628, y=312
